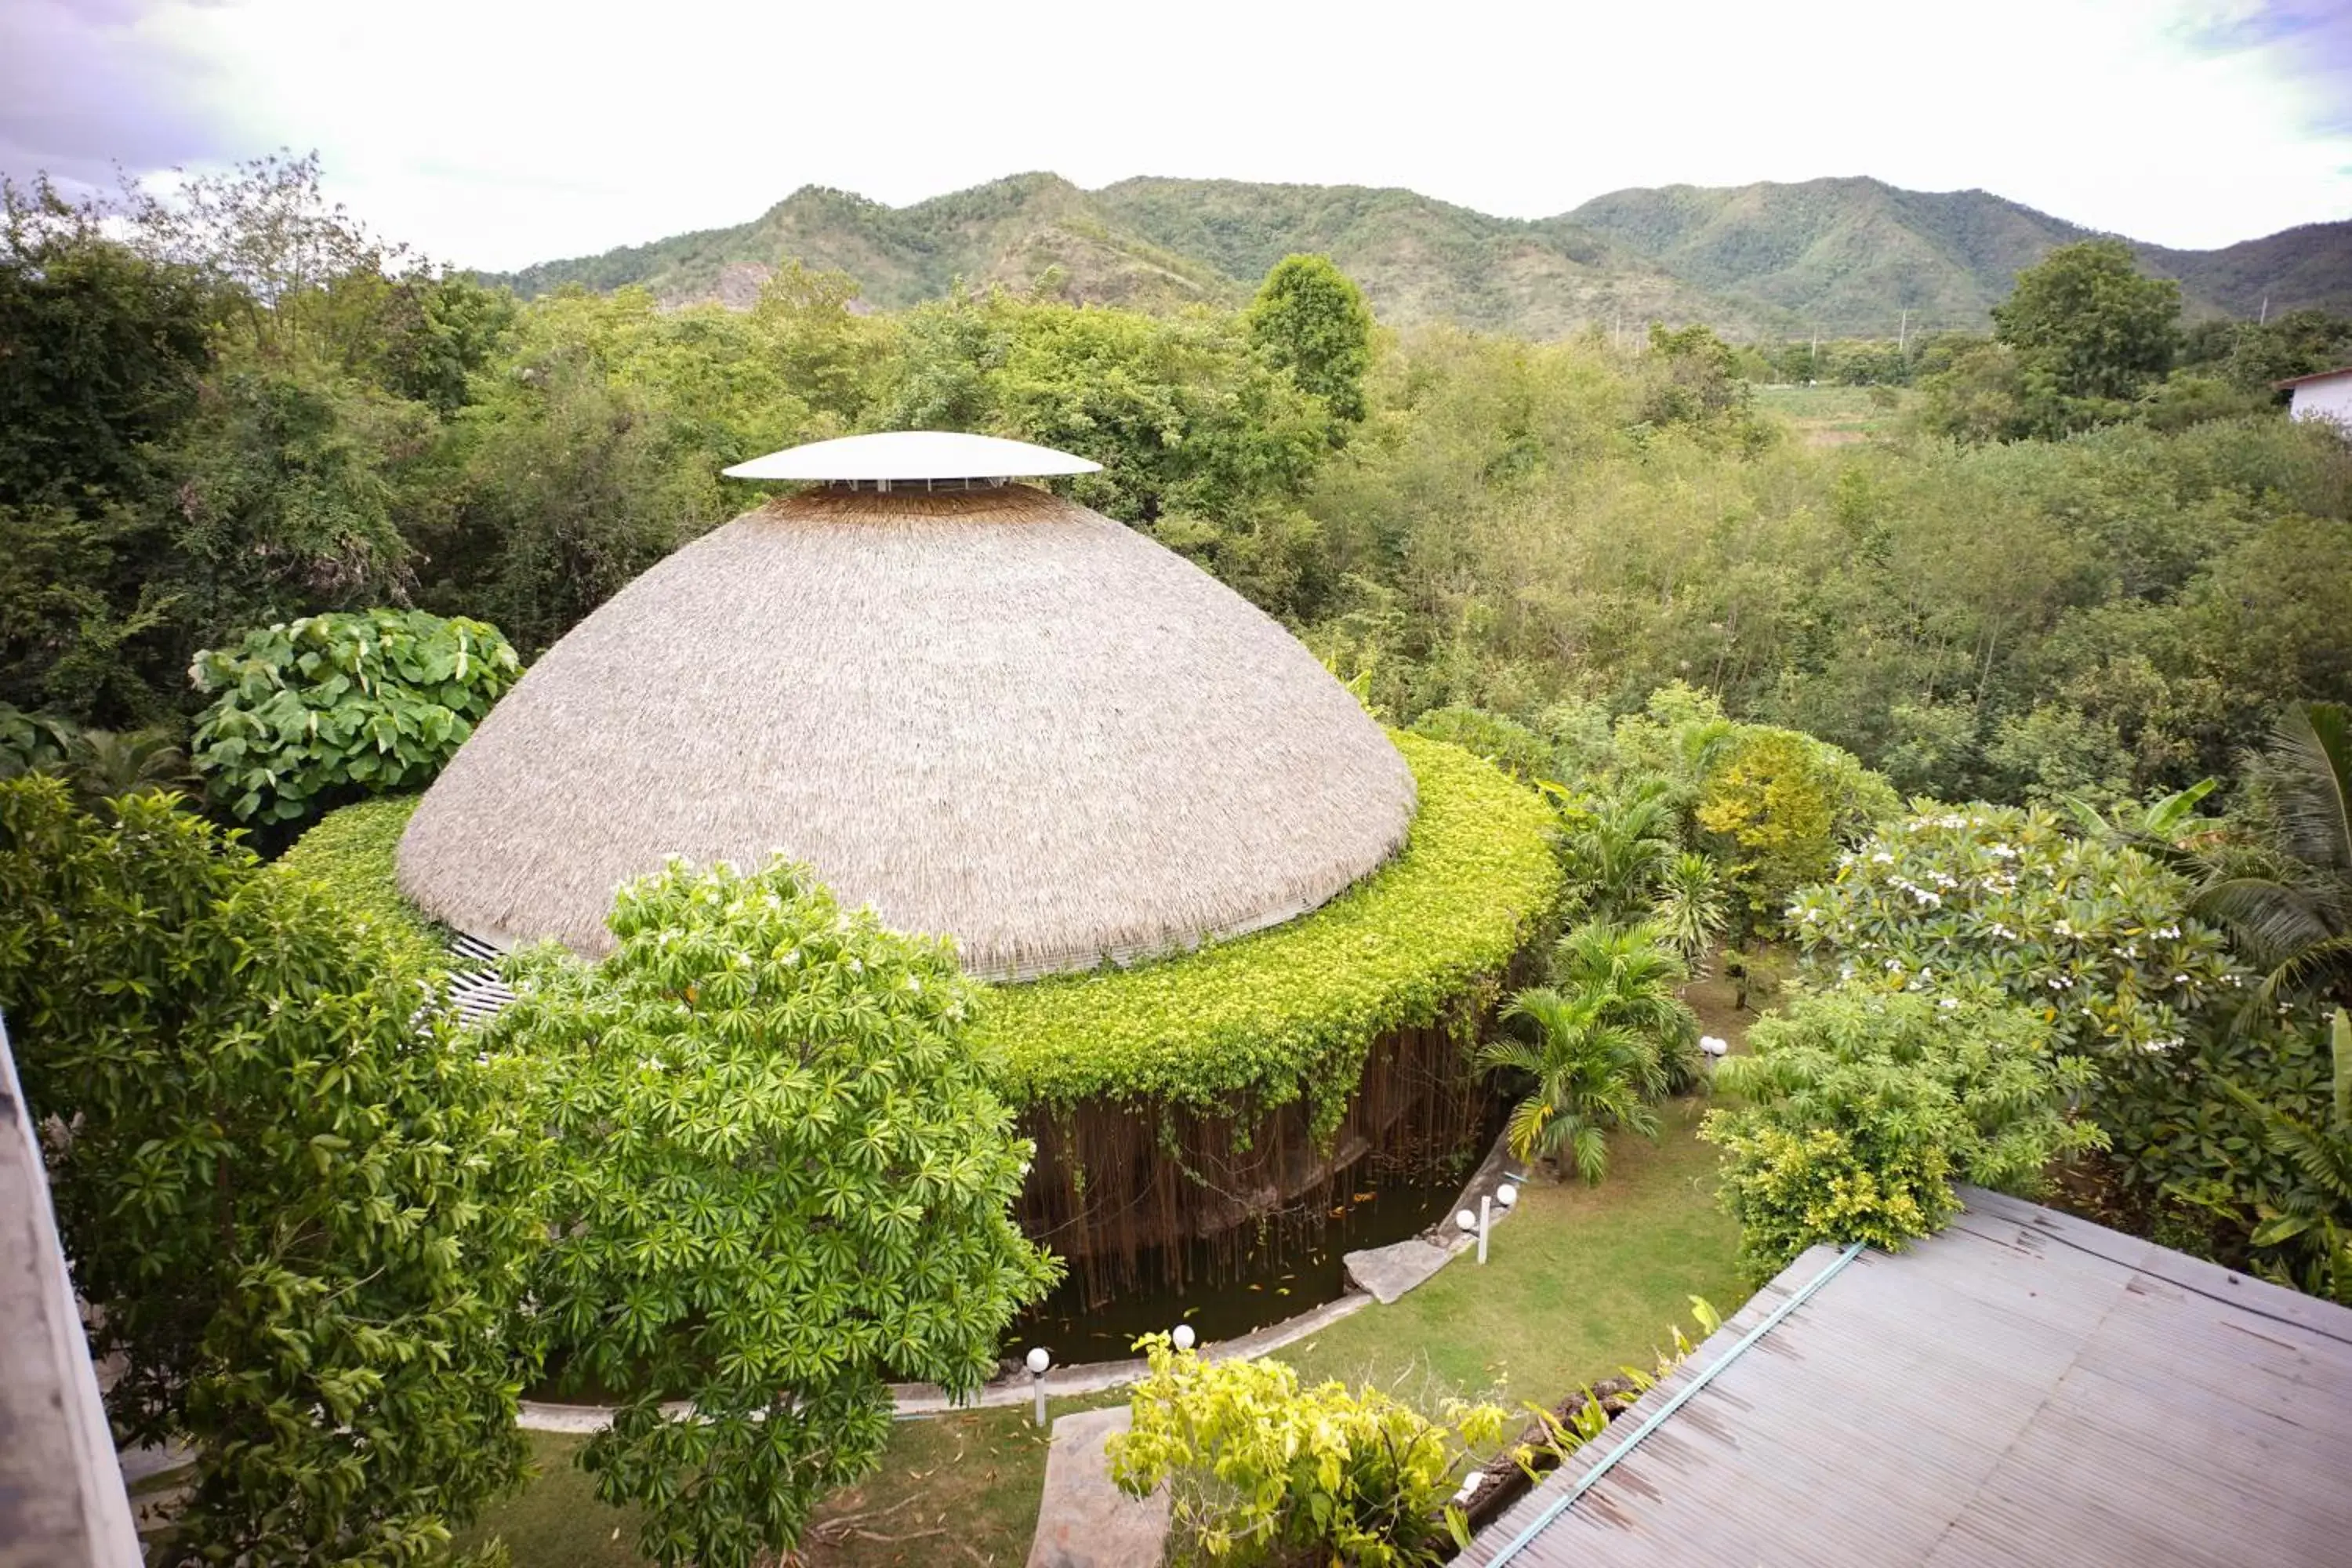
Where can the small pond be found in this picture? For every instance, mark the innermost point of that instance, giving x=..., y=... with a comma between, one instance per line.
x=1284, y=1274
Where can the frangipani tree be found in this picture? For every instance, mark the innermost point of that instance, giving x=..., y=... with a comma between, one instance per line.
x=2091, y=934
x=781, y=1184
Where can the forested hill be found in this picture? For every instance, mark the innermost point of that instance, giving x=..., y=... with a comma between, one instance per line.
x=1842, y=256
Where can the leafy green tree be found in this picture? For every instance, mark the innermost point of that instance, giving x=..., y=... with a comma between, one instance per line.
x=1262, y=1469
x=302, y=1211
x=439, y=333
x=782, y=1182
x=307, y=710
x=825, y=354
x=2090, y=330
x=106, y=351
x=1859, y=1108
x=565, y=490
x=1782, y=802
x=1590, y=1077
x=1694, y=381
x=1312, y=319
x=1978, y=395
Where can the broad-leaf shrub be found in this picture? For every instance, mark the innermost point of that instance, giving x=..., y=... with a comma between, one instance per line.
x=2092, y=934
x=1292, y=1012
x=1860, y=1108
x=1262, y=1469
x=781, y=1182
x=370, y=700
x=302, y=1217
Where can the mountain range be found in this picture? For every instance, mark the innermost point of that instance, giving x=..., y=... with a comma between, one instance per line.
x=1840, y=256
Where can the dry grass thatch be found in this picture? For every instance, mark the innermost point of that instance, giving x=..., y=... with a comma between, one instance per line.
x=991, y=714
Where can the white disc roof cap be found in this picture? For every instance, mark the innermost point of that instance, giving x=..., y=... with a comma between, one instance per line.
x=912, y=455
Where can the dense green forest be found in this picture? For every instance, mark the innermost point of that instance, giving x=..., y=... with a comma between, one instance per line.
x=1832, y=257
x=235, y=410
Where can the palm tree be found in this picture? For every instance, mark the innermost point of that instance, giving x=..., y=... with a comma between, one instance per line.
x=2316, y=1217
x=1621, y=845
x=1689, y=910
x=2298, y=925
x=1588, y=1079
x=107, y=764
x=1635, y=977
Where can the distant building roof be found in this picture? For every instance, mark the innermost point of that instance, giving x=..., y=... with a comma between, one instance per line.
x=912, y=457
x=2314, y=375
x=2025, y=1387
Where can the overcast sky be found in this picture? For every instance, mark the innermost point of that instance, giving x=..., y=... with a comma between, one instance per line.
x=493, y=132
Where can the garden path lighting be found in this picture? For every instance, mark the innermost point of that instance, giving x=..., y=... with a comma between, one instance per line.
x=1485, y=1224
x=1506, y=1195
x=1040, y=1358
x=1183, y=1338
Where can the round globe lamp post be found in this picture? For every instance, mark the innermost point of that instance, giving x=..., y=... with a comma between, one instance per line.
x=1039, y=1360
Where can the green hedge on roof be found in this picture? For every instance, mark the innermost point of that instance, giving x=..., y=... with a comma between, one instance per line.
x=1249, y=1023
x=349, y=849
x=1292, y=1012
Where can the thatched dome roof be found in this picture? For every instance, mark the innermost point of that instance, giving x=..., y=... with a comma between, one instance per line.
x=990, y=713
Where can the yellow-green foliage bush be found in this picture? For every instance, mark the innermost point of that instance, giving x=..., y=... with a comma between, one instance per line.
x=1858, y=1109
x=1262, y=1469
x=1293, y=1011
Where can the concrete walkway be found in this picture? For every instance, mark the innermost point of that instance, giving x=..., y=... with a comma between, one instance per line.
x=1084, y=1520
x=916, y=1399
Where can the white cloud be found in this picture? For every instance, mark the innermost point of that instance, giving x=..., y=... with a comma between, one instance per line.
x=498, y=133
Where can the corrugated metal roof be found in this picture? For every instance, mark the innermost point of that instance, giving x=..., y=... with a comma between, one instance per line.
x=2025, y=1387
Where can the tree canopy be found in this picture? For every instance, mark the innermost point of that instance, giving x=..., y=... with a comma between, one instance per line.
x=1312, y=320
x=300, y=1207
x=2089, y=328
x=780, y=1184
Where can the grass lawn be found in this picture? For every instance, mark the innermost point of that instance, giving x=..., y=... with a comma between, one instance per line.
x=1830, y=415
x=954, y=1489
x=1581, y=1280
